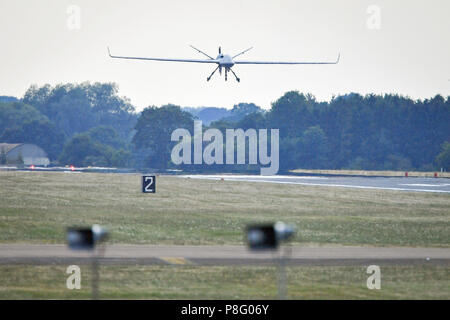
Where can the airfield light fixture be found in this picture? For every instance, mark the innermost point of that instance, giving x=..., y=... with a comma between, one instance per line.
x=85, y=238
x=268, y=236
x=261, y=237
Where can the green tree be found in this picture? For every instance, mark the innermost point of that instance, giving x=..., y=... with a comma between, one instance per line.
x=313, y=148
x=99, y=146
x=106, y=135
x=396, y=162
x=15, y=114
x=241, y=110
x=293, y=113
x=82, y=151
x=120, y=158
x=290, y=149
x=443, y=158
x=154, y=129
x=256, y=120
x=75, y=108
x=2, y=156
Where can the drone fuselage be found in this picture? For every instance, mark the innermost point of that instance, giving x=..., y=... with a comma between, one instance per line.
x=225, y=60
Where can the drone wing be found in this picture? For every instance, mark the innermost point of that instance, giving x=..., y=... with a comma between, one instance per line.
x=165, y=59
x=285, y=62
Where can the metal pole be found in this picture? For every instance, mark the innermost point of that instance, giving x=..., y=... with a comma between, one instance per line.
x=282, y=276
x=281, y=279
x=95, y=272
x=95, y=277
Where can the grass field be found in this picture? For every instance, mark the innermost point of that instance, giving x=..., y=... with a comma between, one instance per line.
x=37, y=207
x=189, y=282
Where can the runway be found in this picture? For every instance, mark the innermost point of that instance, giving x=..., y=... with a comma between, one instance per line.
x=439, y=185
x=121, y=254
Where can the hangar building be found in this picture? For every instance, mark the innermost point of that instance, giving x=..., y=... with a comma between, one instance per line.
x=23, y=153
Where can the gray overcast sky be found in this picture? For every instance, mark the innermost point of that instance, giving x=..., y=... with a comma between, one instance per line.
x=408, y=55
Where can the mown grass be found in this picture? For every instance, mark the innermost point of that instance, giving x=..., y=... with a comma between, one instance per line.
x=37, y=207
x=194, y=282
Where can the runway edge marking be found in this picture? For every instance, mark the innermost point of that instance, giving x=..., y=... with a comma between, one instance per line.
x=330, y=185
x=176, y=260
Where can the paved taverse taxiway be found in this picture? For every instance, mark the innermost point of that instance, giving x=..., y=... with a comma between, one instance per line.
x=121, y=254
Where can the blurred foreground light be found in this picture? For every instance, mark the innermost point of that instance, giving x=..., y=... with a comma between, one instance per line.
x=283, y=231
x=268, y=236
x=85, y=238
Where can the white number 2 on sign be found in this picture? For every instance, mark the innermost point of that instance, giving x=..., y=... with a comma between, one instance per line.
x=148, y=184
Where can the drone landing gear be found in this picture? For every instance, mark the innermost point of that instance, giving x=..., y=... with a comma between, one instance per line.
x=237, y=79
x=209, y=78
x=226, y=73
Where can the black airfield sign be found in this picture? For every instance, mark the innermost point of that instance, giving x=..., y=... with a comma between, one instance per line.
x=149, y=184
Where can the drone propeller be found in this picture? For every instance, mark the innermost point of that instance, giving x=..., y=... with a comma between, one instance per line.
x=220, y=50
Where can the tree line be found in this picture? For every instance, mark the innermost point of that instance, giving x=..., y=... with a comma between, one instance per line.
x=90, y=124
x=372, y=132
x=80, y=124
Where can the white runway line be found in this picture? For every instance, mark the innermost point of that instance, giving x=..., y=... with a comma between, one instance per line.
x=342, y=185
x=424, y=185
x=261, y=179
x=206, y=176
